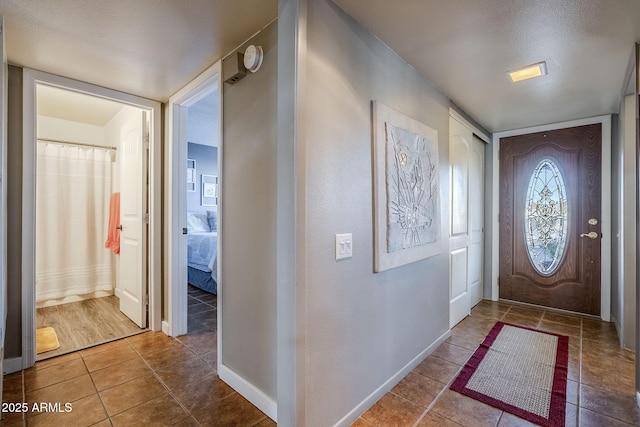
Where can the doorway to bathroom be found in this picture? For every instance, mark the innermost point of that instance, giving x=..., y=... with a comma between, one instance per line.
x=90, y=240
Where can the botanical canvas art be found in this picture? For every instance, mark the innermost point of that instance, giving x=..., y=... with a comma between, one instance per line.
x=407, y=200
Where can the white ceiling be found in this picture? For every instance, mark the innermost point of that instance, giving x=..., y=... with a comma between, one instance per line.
x=465, y=47
x=149, y=48
x=78, y=107
x=152, y=48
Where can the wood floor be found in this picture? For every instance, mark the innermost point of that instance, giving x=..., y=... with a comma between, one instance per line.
x=85, y=323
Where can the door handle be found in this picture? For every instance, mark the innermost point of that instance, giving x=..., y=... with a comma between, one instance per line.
x=591, y=235
x=119, y=227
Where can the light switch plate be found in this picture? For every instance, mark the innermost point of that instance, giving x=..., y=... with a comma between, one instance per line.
x=344, y=246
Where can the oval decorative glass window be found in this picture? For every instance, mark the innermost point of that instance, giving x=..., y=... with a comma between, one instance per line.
x=546, y=217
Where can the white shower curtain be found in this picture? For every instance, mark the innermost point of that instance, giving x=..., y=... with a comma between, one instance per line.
x=72, y=211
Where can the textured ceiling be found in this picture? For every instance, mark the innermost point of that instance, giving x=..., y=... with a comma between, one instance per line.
x=149, y=48
x=465, y=47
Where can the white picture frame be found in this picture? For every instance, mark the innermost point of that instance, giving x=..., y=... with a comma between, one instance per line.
x=406, y=189
x=209, y=193
x=191, y=175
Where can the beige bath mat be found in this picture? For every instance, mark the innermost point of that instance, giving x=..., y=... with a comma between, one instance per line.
x=46, y=339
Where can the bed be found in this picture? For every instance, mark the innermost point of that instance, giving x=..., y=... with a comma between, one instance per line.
x=202, y=248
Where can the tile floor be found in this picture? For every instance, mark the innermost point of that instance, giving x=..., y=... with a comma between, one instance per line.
x=151, y=379
x=147, y=379
x=600, y=387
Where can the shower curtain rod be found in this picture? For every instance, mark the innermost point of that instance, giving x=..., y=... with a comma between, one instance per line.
x=84, y=144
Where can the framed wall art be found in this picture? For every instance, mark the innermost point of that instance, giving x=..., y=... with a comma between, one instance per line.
x=406, y=189
x=209, y=196
x=191, y=175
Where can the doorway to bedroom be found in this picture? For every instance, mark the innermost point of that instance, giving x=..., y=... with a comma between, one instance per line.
x=202, y=217
x=194, y=147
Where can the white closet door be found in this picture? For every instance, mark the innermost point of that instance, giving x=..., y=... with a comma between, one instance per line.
x=460, y=139
x=466, y=153
x=476, y=220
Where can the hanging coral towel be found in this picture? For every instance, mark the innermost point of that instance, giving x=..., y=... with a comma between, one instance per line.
x=113, y=233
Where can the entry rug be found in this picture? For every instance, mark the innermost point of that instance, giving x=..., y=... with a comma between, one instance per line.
x=46, y=340
x=519, y=370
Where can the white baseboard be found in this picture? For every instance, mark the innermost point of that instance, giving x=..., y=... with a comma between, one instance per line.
x=352, y=416
x=165, y=327
x=249, y=392
x=638, y=398
x=12, y=365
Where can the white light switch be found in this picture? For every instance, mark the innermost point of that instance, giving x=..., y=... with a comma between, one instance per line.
x=344, y=244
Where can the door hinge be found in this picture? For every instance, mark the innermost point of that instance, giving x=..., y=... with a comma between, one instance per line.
x=146, y=218
x=146, y=300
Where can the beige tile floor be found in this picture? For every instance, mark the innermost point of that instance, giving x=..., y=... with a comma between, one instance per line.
x=600, y=388
x=151, y=379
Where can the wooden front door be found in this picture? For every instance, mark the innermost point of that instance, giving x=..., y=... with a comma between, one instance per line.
x=550, y=207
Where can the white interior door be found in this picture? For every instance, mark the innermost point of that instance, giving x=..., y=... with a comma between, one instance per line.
x=133, y=210
x=459, y=154
x=466, y=153
x=476, y=220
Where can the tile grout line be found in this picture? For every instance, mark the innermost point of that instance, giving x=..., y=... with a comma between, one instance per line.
x=157, y=377
x=104, y=408
x=444, y=389
x=579, y=373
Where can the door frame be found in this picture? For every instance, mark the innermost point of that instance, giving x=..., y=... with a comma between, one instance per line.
x=176, y=200
x=4, y=76
x=605, y=242
x=31, y=78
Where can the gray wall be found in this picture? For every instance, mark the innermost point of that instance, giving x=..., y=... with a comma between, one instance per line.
x=248, y=221
x=13, y=341
x=206, y=158
x=361, y=328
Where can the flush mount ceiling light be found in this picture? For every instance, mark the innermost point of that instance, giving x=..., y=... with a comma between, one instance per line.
x=528, y=72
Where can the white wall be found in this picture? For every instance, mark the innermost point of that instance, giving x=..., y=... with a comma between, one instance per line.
x=361, y=330
x=67, y=130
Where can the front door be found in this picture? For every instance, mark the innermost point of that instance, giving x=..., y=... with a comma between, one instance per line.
x=550, y=207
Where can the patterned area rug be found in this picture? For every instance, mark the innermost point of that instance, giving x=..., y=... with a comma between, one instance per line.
x=519, y=370
x=46, y=340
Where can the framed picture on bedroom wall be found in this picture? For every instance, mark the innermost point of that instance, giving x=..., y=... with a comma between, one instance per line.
x=191, y=175
x=406, y=189
x=209, y=196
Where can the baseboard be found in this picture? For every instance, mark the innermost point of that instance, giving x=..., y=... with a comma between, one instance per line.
x=638, y=398
x=249, y=392
x=352, y=416
x=165, y=328
x=12, y=365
